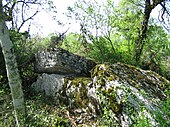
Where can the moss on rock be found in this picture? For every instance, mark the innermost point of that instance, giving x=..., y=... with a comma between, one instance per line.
x=124, y=90
x=76, y=90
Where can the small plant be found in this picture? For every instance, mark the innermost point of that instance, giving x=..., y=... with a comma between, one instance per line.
x=39, y=113
x=45, y=114
x=164, y=117
x=142, y=120
x=109, y=107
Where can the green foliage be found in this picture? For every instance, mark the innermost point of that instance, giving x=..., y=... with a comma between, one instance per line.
x=23, y=48
x=40, y=43
x=142, y=121
x=156, y=49
x=100, y=50
x=73, y=43
x=157, y=40
x=109, y=107
x=126, y=19
x=40, y=113
x=163, y=119
x=109, y=33
x=95, y=23
x=108, y=119
x=7, y=116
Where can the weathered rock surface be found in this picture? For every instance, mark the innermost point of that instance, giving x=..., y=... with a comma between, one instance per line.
x=49, y=84
x=120, y=93
x=60, y=61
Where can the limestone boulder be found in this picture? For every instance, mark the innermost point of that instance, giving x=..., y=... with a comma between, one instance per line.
x=60, y=61
x=119, y=93
x=49, y=84
x=125, y=92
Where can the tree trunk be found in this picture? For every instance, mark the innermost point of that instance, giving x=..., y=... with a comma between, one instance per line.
x=12, y=71
x=140, y=42
x=142, y=33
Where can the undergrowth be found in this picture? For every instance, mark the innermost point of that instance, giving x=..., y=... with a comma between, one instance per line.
x=40, y=112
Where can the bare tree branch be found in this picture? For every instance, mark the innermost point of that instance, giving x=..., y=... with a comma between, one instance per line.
x=25, y=20
x=164, y=16
x=19, y=10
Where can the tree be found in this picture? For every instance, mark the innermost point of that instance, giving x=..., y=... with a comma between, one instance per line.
x=12, y=70
x=133, y=21
x=149, y=5
x=126, y=21
x=95, y=20
x=130, y=21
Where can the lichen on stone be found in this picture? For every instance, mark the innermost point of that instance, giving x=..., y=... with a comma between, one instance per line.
x=76, y=90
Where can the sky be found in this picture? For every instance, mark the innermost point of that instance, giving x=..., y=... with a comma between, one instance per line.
x=44, y=25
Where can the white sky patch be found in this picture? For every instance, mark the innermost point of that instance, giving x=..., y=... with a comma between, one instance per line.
x=155, y=12
x=44, y=22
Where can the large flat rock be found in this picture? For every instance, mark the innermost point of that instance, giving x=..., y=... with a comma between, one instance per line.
x=60, y=61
